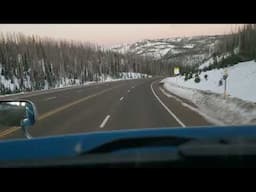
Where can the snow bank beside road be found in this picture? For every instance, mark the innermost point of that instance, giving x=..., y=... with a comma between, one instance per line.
x=241, y=82
x=238, y=108
x=230, y=111
x=69, y=83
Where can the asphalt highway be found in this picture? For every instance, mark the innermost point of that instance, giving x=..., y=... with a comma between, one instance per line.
x=118, y=105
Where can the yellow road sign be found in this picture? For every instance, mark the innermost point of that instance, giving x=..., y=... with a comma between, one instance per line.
x=176, y=70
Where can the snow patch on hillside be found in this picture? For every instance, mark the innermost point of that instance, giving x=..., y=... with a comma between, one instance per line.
x=210, y=61
x=189, y=46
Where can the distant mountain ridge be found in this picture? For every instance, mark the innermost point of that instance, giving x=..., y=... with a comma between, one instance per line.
x=180, y=50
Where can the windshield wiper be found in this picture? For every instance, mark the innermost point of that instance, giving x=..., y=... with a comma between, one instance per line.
x=133, y=143
x=185, y=147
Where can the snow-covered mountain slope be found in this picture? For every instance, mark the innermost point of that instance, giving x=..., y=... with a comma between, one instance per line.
x=180, y=50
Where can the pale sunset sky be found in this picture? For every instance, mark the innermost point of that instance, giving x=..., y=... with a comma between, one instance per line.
x=108, y=35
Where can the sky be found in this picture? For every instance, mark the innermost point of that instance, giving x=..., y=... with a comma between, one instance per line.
x=108, y=35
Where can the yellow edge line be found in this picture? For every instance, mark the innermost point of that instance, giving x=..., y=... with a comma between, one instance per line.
x=8, y=131
x=50, y=113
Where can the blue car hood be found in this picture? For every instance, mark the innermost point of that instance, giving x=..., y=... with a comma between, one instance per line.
x=74, y=144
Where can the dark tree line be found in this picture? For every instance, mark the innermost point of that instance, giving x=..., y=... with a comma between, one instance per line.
x=46, y=61
x=244, y=38
x=239, y=46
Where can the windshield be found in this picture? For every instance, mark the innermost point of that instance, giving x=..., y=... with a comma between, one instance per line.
x=86, y=78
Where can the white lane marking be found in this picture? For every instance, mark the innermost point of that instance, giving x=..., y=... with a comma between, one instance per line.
x=167, y=109
x=121, y=98
x=132, y=87
x=128, y=90
x=104, y=121
x=50, y=98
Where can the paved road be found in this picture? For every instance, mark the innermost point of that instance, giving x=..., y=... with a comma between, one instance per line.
x=129, y=104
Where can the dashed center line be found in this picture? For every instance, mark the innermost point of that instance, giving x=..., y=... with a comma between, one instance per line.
x=104, y=121
x=50, y=98
x=121, y=98
x=57, y=110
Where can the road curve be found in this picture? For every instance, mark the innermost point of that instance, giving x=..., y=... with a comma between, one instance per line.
x=119, y=105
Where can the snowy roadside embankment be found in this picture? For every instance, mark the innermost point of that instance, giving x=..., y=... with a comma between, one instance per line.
x=230, y=111
x=238, y=108
x=208, y=94
x=66, y=83
x=241, y=82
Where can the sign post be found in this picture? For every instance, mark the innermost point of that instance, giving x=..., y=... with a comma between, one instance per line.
x=225, y=76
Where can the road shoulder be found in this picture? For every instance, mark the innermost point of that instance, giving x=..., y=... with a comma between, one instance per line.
x=186, y=111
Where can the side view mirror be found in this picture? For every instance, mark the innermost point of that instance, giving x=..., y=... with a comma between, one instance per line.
x=21, y=113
